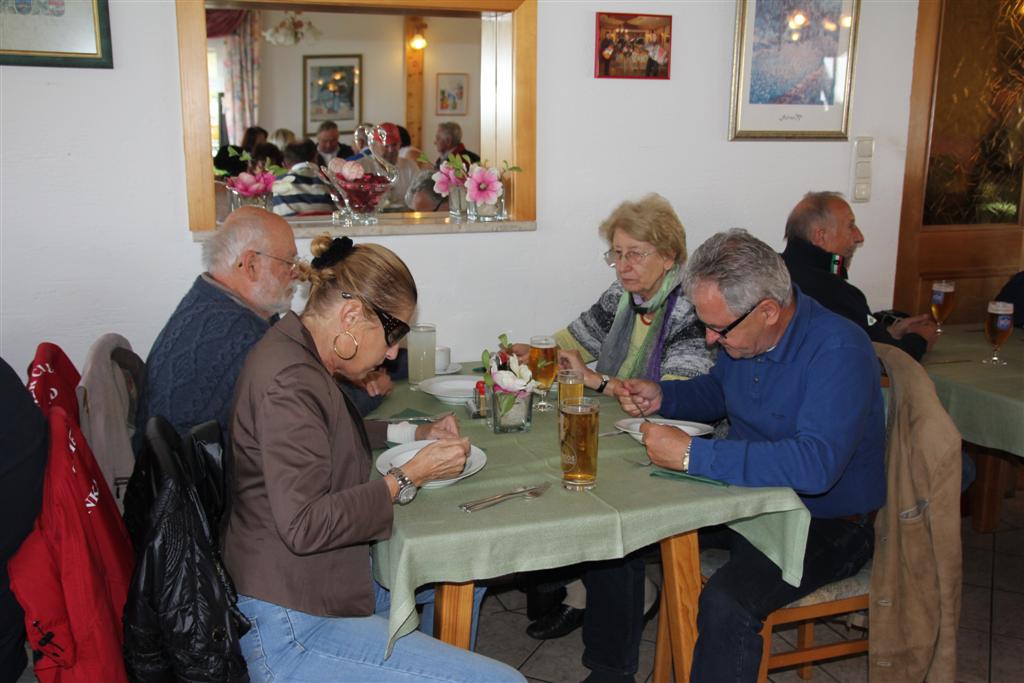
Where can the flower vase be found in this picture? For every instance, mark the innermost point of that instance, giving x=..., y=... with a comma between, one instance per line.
x=457, y=202
x=237, y=200
x=487, y=212
x=517, y=418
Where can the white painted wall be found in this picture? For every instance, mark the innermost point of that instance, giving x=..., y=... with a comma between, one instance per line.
x=454, y=45
x=93, y=230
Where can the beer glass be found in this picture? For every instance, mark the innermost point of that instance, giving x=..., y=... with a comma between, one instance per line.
x=422, y=351
x=579, y=424
x=943, y=298
x=998, y=327
x=543, y=363
x=570, y=384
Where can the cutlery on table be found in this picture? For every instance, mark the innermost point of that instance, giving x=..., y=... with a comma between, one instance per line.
x=419, y=419
x=641, y=411
x=524, y=491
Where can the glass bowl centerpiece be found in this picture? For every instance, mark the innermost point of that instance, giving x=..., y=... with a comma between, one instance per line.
x=356, y=190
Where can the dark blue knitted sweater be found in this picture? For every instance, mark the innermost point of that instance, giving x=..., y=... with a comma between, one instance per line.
x=193, y=365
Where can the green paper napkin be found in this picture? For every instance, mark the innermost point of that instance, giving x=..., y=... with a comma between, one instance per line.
x=672, y=474
x=407, y=414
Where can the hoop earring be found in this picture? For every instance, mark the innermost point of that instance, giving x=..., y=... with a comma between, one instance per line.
x=334, y=346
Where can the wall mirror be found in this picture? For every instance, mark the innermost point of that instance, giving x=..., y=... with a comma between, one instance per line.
x=505, y=125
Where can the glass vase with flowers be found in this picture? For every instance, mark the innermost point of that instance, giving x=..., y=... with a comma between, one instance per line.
x=511, y=387
x=485, y=192
x=450, y=182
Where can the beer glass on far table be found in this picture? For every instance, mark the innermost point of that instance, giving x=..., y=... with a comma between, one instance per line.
x=943, y=298
x=579, y=426
x=544, y=366
x=998, y=328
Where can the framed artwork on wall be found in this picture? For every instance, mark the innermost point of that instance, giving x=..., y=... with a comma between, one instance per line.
x=633, y=46
x=332, y=90
x=452, y=94
x=55, y=33
x=792, y=70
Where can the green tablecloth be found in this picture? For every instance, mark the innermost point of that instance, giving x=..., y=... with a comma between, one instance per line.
x=985, y=401
x=434, y=541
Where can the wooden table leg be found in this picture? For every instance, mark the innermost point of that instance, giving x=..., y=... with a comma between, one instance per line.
x=453, y=613
x=988, y=488
x=680, y=562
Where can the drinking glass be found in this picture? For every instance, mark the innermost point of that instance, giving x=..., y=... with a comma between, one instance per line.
x=998, y=327
x=422, y=352
x=943, y=298
x=543, y=363
x=579, y=417
x=570, y=385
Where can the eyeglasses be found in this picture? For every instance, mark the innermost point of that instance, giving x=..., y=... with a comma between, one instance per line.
x=394, y=329
x=633, y=258
x=731, y=326
x=292, y=263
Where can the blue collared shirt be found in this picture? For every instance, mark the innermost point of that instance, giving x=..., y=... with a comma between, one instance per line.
x=807, y=414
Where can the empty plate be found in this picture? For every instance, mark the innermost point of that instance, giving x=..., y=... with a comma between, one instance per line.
x=632, y=426
x=453, y=390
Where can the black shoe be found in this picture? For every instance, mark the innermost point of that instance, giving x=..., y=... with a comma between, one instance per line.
x=560, y=621
x=649, y=614
x=539, y=603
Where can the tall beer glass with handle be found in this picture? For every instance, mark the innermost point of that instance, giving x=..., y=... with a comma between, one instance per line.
x=943, y=298
x=543, y=363
x=998, y=328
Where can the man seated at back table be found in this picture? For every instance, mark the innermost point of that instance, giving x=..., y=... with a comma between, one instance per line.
x=800, y=386
x=821, y=237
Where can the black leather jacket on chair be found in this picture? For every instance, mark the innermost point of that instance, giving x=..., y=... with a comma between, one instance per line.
x=181, y=622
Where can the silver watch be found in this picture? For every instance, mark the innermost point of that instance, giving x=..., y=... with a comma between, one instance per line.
x=406, y=489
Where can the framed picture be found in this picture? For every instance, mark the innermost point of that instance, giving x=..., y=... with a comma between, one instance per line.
x=792, y=69
x=332, y=90
x=633, y=46
x=68, y=33
x=452, y=93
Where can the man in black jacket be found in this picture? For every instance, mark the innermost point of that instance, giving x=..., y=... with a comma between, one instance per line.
x=821, y=237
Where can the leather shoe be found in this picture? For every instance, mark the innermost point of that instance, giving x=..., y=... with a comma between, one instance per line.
x=560, y=621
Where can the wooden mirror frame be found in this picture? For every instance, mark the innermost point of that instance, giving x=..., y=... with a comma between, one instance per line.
x=191, y=15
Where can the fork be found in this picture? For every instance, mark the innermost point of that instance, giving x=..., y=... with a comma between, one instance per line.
x=527, y=492
x=641, y=411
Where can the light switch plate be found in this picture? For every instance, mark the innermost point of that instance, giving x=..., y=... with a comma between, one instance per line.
x=861, y=171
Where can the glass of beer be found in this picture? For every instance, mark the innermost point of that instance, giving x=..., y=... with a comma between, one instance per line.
x=544, y=366
x=998, y=327
x=579, y=424
x=943, y=298
x=422, y=352
x=570, y=384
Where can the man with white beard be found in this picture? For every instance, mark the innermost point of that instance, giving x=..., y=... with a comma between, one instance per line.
x=249, y=281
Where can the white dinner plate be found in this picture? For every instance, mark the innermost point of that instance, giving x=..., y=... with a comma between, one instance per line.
x=451, y=369
x=632, y=426
x=403, y=453
x=453, y=390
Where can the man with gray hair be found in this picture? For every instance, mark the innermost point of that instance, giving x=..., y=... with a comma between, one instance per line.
x=821, y=237
x=448, y=140
x=249, y=281
x=800, y=386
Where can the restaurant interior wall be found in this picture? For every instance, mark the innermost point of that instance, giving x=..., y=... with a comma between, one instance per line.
x=93, y=224
x=454, y=46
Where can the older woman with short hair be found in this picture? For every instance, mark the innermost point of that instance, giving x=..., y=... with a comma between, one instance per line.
x=304, y=509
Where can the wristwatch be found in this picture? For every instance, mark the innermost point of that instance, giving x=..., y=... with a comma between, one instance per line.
x=686, y=456
x=406, y=489
x=604, y=382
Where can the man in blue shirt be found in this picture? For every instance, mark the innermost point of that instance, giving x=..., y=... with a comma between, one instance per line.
x=800, y=386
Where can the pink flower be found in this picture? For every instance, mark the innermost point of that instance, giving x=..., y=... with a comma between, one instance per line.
x=445, y=180
x=482, y=185
x=252, y=184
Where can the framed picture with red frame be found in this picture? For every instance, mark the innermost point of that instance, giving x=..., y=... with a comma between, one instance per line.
x=633, y=46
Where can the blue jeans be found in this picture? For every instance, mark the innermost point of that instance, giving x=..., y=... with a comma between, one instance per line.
x=285, y=645
x=739, y=596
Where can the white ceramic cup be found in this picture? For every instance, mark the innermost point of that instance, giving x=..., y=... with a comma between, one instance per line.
x=442, y=358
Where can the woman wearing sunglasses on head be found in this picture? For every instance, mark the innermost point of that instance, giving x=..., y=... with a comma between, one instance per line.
x=303, y=510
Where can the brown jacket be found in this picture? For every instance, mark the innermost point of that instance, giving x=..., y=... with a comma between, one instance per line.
x=916, y=572
x=302, y=508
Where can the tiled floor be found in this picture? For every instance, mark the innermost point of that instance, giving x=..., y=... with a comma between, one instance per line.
x=990, y=642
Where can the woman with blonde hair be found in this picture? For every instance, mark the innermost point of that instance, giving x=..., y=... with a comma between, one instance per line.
x=303, y=507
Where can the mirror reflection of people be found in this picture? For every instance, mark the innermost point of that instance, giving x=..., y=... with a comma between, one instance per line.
x=422, y=197
x=388, y=148
x=282, y=137
x=304, y=509
x=300, y=190
x=327, y=144
x=448, y=140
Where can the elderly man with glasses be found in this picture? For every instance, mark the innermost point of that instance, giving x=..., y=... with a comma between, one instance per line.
x=249, y=281
x=800, y=386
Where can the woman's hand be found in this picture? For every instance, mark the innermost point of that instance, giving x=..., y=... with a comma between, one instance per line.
x=639, y=394
x=442, y=459
x=445, y=428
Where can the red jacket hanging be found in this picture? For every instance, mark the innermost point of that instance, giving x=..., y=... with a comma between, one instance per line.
x=71, y=574
x=52, y=379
